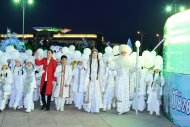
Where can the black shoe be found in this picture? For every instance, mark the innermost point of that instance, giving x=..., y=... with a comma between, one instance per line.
x=43, y=107
x=47, y=109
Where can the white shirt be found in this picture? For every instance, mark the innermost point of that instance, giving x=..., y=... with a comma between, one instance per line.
x=46, y=69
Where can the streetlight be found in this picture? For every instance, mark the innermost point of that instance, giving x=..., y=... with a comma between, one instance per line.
x=23, y=5
x=174, y=7
x=158, y=36
x=141, y=33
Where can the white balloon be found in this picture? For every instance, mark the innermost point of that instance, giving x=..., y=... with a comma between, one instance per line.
x=29, y=52
x=108, y=50
x=116, y=50
x=65, y=50
x=15, y=54
x=9, y=49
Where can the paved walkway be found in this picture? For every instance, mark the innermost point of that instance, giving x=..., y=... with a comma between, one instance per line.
x=72, y=117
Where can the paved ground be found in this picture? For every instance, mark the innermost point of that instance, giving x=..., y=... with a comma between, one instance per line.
x=72, y=117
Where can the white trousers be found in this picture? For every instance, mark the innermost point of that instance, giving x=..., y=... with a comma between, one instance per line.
x=60, y=102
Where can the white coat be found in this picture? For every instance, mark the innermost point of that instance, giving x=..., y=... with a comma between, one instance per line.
x=17, y=87
x=67, y=80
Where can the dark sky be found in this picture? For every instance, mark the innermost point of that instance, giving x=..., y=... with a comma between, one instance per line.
x=117, y=20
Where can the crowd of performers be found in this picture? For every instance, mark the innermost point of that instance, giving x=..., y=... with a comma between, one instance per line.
x=91, y=80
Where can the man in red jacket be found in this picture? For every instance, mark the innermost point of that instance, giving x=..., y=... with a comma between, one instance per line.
x=48, y=79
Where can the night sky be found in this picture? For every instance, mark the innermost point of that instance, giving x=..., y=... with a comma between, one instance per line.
x=117, y=20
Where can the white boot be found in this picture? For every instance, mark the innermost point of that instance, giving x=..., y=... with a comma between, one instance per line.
x=109, y=106
x=62, y=109
x=28, y=110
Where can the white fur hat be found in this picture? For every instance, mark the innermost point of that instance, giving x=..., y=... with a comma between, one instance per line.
x=20, y=60
x=157, y=67
x=30, y=59
x=125, y=48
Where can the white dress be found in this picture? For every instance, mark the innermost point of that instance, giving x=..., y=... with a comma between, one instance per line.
x=93, y=88
x=17, y=88
x=141, y=91
x=78, y=88
x=155, y=93
x=28, y=88
x=6, y=81
x=109, y=88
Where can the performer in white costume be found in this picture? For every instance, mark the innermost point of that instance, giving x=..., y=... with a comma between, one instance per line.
x=78, y=88
x=16, y=100
x=122, y=80
x=110, y=75
x=63, y=73
x=29, y=85
x=94, y=90
x=154, y=98
x=6, y=81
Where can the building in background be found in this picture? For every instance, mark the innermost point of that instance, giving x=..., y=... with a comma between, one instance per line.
x=47, y=36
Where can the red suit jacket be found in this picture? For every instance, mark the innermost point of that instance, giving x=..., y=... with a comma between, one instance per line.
x=50, y=69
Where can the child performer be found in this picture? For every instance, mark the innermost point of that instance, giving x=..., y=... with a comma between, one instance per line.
x=29, y=85
x=6, y=81
x=63, y=73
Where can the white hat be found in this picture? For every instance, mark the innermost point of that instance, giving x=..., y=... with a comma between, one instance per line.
x=157, y=67
x=125, y=48
x=30, y=59
x=20, y=60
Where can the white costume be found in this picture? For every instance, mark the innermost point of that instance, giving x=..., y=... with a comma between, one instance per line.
x=141, y=91
x=64, y=76
x=109, y=88
x=17, y=88
x=155, y=93
x=93, y=88
x=6, y=80
x=78, y=88
x=28, y=88
x=38, y=75
x=122, y=81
